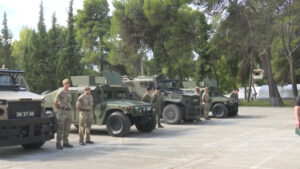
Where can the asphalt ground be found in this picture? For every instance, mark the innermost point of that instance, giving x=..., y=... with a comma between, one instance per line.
x=259, y=138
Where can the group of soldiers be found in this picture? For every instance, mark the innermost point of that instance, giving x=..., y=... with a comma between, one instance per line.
x=84, y=105
x=157, y=100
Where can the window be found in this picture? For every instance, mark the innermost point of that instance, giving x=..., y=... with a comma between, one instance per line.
x=147, y=84
x=6, y=80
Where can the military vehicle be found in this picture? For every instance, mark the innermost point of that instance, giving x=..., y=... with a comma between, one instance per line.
x=178, y=105
x=23, y=120
x=220, y=106
x=112, y=106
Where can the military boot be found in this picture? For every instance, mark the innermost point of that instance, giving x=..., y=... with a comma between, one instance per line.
x=58, y=146
x=68, y=145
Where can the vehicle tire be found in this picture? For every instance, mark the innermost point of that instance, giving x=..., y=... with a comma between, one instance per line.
x=188, y=121
x=33, y=145
x=118, y=124
x=220, y=110
x=45, y=92
x=172, y=114
x=146, y=127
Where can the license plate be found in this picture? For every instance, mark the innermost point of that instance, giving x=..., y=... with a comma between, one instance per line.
x=25, y=114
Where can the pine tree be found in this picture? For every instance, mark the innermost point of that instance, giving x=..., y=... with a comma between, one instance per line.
x=69, y=62
x=6, y=44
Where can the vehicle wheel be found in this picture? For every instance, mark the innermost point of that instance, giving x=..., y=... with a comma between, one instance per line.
x=189, y=121
x=33, y=145
x=146, y=127
x=172, y=114
x=220, y=110
x=118, y=124
x=45, y=92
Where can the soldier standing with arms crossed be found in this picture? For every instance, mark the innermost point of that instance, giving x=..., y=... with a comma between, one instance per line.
x=157, y=101
x=206, y=101
x=85, y=105
x=147, y=96
x=62, y=102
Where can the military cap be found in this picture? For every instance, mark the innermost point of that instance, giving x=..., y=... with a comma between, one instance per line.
x=87, y=88
x=65, y=81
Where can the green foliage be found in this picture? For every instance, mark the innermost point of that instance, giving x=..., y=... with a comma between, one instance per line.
x=93, y=24
x=5, y=44
x=164, y=28
x=227, y=82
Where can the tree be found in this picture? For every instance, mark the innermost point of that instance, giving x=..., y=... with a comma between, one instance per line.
x=5, y=44
x=290, y=40
x=164, y=29
x=93, y=24
x=255, y=32
x=69, y=61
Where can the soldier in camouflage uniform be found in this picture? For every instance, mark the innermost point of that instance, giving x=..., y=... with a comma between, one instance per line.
x=234, y=94
x=147, y=96
x=157, y=101
x=206, y=101
x=62, y=102
x=85, y=105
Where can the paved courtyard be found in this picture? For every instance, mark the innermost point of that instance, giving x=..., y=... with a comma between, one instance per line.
x=259, y=138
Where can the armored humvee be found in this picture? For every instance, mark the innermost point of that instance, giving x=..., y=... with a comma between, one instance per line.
x=221, y=106
x=112, y=105
x=178, y=104
x=23, y=120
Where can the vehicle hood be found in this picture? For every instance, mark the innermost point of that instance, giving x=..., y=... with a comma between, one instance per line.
x=180, y=92
x=221, y=98
x=126, y=103
x=19, y=95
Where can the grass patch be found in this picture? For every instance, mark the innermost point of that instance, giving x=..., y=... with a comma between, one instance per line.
x=265, y=103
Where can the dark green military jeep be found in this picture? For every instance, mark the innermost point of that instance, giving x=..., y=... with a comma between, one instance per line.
x=112, y=106
x=23, y=120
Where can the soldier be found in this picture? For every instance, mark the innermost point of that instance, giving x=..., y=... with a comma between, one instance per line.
x=206, y=101
x=85, y=105
x=62, y=102
x=157, y=101
x=147, y=96
x=297, y=111
x=197, y=90
x=234, y=94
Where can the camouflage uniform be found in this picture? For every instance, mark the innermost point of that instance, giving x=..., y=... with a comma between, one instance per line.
x=85, y=103
x=146, y=98
x=64, y=116
x=234, y=96
x=206, y=101
x=157, y=101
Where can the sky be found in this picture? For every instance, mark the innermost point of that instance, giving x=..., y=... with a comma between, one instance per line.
x=25, y=13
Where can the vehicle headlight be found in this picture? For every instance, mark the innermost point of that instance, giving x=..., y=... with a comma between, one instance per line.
x=49, y=113
x=3, y=102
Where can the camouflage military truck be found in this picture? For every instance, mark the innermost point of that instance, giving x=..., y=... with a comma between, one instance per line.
x=112, y=106
x=23, y=120
x=178, y=105
x=221, y=106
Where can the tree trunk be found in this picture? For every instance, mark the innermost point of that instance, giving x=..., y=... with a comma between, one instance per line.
x=275, y=99
x=216, y=76
x=293, y=76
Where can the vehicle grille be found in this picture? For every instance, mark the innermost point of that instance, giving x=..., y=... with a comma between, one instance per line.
x=24, y=106
x=195, y=100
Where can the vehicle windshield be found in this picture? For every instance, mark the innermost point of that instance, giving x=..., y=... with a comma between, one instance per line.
x=167, y=84
x=8, y=81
